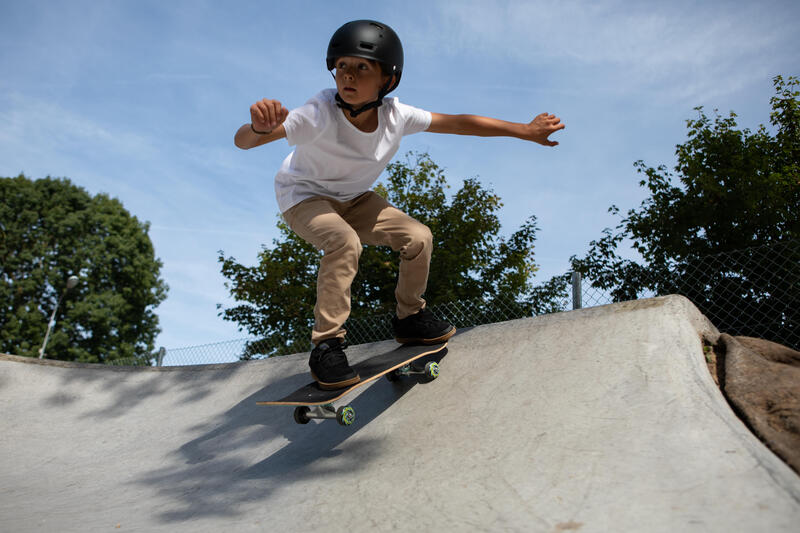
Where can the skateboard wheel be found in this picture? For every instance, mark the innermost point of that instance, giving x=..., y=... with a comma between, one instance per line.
x=300, y=414
x=345, y=415
x=432, y=370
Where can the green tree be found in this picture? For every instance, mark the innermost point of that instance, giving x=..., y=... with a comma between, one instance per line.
x=732, y=190
x=471, y=261
x=51, y=229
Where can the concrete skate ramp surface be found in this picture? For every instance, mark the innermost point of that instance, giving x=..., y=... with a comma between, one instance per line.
x=602, y=419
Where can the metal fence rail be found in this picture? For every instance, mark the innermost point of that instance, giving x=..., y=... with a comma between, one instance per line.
x=753, y=292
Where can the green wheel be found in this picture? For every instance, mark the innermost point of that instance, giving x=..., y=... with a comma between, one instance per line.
x=345, y=415
x=432, y=370
x=300, y=414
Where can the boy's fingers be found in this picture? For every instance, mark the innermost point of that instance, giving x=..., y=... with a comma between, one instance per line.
x=553, y=122
x=265, y=109
x=276, y=114
x=268, y=112
x=256, y=113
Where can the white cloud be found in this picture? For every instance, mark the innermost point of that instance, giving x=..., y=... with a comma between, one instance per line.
x=35, y=125
x=677, y=49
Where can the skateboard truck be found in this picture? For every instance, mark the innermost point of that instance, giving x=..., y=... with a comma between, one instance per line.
x=345, y=415
x=431, y=371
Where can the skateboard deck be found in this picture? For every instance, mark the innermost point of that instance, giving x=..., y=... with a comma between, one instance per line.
x=393, y=364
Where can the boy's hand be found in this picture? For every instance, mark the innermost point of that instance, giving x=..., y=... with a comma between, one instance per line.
x=266, y=115
x=537, y=130
x=540, y=128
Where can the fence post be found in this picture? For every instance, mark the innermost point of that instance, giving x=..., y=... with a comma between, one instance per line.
x=577, y=297
x=161, y=353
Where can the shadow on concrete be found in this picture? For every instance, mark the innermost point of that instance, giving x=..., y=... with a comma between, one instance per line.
x=206, y=475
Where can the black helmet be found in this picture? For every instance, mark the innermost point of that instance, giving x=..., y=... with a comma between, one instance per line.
x=371, y=40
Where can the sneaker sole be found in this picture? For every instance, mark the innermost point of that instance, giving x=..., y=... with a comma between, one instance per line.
x=337, y=385
x=437, y=340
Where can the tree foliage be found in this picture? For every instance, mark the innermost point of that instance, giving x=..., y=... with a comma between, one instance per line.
x=471, y=261
x=51, y=229
x=731, y=190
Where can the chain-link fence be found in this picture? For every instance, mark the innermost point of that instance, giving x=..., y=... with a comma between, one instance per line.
x=753, y=292
x=359, y=331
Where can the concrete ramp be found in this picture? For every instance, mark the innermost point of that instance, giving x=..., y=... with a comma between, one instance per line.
x=603, y=419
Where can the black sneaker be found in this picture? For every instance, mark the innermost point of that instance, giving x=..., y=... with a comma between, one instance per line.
x=423, y=328
x=329, y=365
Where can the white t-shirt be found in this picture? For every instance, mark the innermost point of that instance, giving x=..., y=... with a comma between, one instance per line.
x=334, y=158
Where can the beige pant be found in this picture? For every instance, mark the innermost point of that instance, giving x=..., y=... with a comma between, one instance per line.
x=340, y=229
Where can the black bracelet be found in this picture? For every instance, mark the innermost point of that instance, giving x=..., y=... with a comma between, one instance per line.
x=259, y=132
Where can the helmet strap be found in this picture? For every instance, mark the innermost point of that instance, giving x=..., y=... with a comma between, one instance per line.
x=353, y=111
x=366, y=107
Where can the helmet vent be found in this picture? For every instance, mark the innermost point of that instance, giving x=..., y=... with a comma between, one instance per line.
x=366, y=46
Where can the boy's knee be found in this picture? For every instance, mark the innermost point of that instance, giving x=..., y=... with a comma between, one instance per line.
x=424, y=235
x=343, y=242
x=420, y=239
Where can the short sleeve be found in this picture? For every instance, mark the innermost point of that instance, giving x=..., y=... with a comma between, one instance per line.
x=414, y=119
x=305, y=123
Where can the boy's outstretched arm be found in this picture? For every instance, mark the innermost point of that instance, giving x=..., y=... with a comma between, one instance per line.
x=266, y=117
x=538, y=130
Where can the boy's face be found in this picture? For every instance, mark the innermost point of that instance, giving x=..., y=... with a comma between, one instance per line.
x=359, y=80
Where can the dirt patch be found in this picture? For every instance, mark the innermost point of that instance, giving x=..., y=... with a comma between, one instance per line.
x=761, y=381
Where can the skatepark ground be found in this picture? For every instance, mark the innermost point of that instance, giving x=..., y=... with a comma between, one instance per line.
x=601, y=419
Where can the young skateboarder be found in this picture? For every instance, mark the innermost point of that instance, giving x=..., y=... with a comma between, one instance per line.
x=344, y=138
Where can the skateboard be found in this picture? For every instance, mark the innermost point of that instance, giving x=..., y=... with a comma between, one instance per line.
x=312, y=402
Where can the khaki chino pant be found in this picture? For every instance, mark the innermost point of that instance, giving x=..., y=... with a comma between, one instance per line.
x=340, y=229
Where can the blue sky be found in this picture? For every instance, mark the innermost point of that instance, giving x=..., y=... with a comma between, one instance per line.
x=140, y=100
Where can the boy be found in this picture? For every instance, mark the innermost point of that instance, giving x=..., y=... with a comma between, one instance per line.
x=344, y=139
